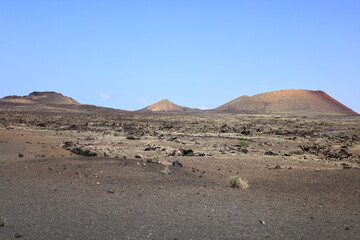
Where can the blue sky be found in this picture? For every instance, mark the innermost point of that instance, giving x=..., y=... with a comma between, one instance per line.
x=129, y=54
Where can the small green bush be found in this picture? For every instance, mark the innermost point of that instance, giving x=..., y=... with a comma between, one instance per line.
x=243, y=143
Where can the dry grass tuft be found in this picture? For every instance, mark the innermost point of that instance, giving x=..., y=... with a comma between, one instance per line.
x=237, y=182
x=166, y=170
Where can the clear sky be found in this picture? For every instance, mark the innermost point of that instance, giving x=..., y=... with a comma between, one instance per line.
x=129, y=54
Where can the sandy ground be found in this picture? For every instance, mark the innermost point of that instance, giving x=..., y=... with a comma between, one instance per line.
x=303, y=176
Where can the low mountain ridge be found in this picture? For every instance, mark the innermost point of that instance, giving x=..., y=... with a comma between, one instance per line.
x=49, y=102
x=42, y=98
x=288, y=101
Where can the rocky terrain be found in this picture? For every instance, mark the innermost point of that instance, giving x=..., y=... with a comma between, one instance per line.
x=199, y=175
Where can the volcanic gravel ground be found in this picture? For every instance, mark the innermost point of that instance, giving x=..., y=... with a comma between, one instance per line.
x=49, y=192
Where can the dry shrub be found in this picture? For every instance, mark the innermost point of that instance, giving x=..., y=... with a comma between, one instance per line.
x=166, y=170
x=237, y=182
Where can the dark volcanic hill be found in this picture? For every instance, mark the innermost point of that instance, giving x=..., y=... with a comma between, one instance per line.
x=165, y=106
x=42, y=98
x=289, y=101
x=48, y=101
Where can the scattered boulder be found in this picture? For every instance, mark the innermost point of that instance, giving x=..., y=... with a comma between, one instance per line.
x=79, y=149
x=199, y=154
x=225, y=129
x=167, y=150
x=327, y=152
x=229, y=148
x=244, y=150
x=277, y=167
x=186, y=152
x=343, y=153
x=84, y=152
x=345, y=165
x=73, y=127
x=271, y=153
x=89, y=138
x=177, y=163
x=149, y=160
x=41, y=125
x=172, y=139
x=132, y=138
x=91, y=150
x=152, y=147
x=245, y=132
x=172, y=152
x=175, y=139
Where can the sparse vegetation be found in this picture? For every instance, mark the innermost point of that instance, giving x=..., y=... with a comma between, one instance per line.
x=237, y=182
x=244, y=143
x=166, y=170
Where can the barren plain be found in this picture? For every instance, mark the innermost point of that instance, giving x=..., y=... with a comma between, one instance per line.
x=132, y=175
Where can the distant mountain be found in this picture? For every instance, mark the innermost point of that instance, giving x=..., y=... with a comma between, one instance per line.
x=292, y=101
x=165, y=106
x=48, y=102
x=289, y=101
x=41, y=98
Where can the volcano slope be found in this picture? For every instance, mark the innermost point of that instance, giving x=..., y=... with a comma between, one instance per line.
x=288, y=101
x=110, y=176
x=165, y=105
x=49, y=102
